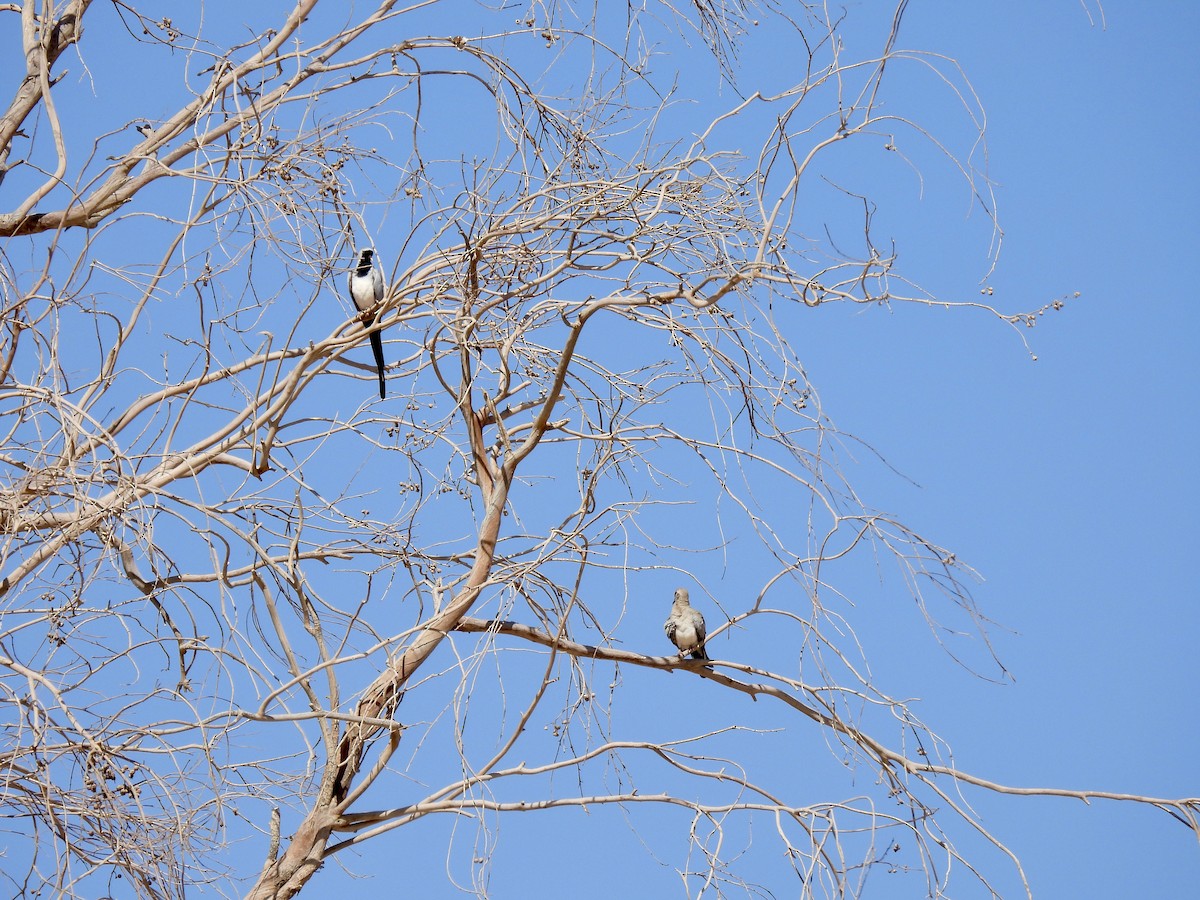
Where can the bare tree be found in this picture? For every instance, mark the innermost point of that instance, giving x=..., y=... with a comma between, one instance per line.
x=225, y=563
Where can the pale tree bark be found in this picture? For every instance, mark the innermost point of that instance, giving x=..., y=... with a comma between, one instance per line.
x=226, y=568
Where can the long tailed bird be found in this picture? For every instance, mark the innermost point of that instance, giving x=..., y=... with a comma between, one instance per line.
x=366, y=290
x=685, y=626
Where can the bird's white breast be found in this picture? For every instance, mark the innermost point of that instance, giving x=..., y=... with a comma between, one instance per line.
x=685, y=636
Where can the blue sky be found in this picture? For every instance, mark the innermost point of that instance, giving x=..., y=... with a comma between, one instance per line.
x=1066, y=481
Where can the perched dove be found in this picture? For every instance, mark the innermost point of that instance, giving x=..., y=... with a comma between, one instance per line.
x=685, y=626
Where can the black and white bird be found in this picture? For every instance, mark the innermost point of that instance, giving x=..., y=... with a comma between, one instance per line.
x=366, y=290
x=685, y=626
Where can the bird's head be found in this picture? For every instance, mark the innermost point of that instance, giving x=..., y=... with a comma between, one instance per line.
x=365, y=255
x=681, y=596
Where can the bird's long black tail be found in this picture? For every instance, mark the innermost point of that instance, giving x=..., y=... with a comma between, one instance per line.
x=700, y=653
x=377, y=349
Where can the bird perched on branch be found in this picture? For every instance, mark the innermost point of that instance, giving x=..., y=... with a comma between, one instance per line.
x=685, y=626
x=366, y=290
